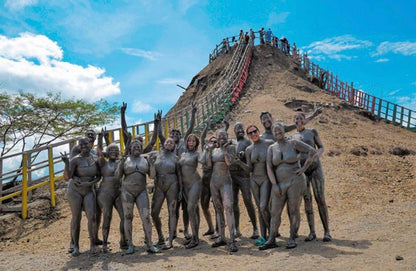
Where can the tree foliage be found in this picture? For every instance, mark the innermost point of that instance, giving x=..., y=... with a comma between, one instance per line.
x=48, y=118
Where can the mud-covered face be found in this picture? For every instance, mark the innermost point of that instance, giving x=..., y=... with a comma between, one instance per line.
x=169, y=144
x=176, y=135
x=191, y=143
x=113, y=152
x=222, y=138
x=278, y=132
x=90, y=134
x=136, y=148
x=299, y=120
x=239, y=130
x=266, y=120
x=253, y=133
x=213, y=142
x=84, y=145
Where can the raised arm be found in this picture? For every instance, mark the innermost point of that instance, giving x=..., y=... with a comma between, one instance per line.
x=205, y=132
x=192, y=122
x=315, y=113
x=162, y=138
x=101, y=160
x=152, y=142
x=123, y=122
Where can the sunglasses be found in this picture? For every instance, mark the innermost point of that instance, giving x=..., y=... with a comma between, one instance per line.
x=252, y=132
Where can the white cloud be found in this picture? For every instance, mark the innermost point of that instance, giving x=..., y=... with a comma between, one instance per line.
x=151, y=55
x=381, y=60
x=171, y=81
x=140, y=107
x=331, y=47
x=34, y=63
x=15, y=5
x=407, y=101
x=393, y=92
x=275, y=18
x=184, y=5
x=406, y=48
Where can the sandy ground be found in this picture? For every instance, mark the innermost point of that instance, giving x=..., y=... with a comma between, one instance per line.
x=371, y=196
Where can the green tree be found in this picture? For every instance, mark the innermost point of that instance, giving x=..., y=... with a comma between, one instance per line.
x=48, y=118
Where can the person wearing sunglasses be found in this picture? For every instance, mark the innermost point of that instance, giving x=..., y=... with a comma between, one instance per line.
x=255, y=162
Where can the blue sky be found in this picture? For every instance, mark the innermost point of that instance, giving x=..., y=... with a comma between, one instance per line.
x=137, y=51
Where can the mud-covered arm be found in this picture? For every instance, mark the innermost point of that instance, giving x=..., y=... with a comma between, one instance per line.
x=65, y=159
x=204, y=133
x=305, y=148
x=270, y=168
x=192, y=122
x=179, y=174
x=315, y=113
x=248, y=166
x=120, y=168
x=101, y=159
x=318, y=143
x=152, y=142
x=162, y=138
x=123, y=122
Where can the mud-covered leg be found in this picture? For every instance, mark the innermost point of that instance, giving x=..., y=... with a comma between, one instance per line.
x=309, y=213
x=75, y=202
x=157, y=201
x=264, y=204
x=172, y=200
x=127, y=200
x=142, y=202
x=227, y=198
x=294, y=200
x=236, y=209
x=90, y=204
x=248, y=202
x=277, y=204
x=205, y=200
x=119, y=208
x=318, y=185
x=219, y=209
x=193, y=197
x=106, y=206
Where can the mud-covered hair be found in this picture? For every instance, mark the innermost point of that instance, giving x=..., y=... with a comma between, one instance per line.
x=196, y=139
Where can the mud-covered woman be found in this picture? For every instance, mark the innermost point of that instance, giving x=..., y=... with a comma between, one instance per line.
x=192, y=185
x=221, y=188
x=288, y=182
x=168, y=185
x=134, y=168
x=255, y=155
x=83, y=174
x=109, y=190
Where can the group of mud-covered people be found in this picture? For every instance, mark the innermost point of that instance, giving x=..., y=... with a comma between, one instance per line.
x=274, y=169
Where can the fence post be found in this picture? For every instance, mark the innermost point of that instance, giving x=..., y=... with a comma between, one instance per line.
x=51, y=176
x=373, y=104
x=182, y=125
x=394, y=113
x=120, y=133
x=24, y=186
x=401, y=115
x=133, y=131
x=387, y=111
x=409, y=118
x=146, y=134
x=29, y=174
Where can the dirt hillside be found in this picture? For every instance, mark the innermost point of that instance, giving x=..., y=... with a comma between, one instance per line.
x=370, y=192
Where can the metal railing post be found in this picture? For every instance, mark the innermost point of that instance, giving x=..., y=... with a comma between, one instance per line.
x=24, y=186
x=51, y=176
